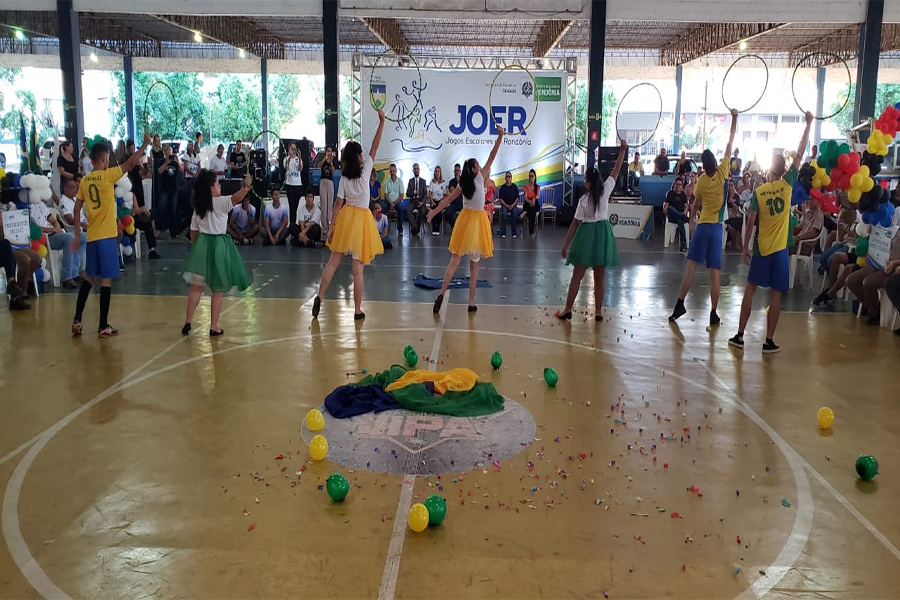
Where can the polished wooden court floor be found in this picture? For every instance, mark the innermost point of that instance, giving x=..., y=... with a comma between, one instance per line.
x=160, y=466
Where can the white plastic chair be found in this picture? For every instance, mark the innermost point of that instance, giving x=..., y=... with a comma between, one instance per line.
x=671, y=234
x=806, y=260
x=54, y=264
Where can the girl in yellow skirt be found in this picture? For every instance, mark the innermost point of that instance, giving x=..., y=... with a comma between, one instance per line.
x=472, y=232
x=352, y=229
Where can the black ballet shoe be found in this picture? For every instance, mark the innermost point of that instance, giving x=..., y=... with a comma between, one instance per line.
x=437, y=304
x=473, y=308
x=598, y=318
x=564, y=316
x=186, y=329
x=359, y=316
x=214, y=333
x=317, y=304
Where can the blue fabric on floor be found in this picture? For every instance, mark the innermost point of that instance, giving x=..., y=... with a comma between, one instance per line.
x=456, y=283
x=349, y=401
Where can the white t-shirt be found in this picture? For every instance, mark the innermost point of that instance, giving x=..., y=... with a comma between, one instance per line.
x=39, y=214
x=293, y=167
x=191, y=164
x=601, y=212
x=67, y=207
x=216, y=221
x=218, y=165
x=477, y=201
x=355, y=192
x=241, y=220
x=276, y=216
x=86, y=165
x=438, y=190
x=305, y=216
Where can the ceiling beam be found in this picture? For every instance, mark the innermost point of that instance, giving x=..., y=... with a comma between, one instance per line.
x=234, y=31
x=711, y=37
x=389, y=33
x=549, y=36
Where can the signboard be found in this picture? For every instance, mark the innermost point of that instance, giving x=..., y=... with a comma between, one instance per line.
x=880, y=246
x=17, y=227
x=443, y=117
x=629, y=220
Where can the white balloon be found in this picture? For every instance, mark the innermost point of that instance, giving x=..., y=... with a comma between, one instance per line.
x=26, y=181
x=124, y=183
x=862, y=230
x=119, y=192
x=127, y=250
x=42, y=182
x=43, y=263
x=46, y=274
x=45, y=193
x=23, y=196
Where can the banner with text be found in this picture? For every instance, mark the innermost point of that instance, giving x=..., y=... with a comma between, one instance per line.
x=444, y=117
x=629, y=220
x=16, y=227
x=880, y=245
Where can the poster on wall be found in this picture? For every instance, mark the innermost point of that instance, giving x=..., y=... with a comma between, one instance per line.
x=443, y=117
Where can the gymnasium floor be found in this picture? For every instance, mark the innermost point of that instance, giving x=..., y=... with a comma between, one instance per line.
x=160, y=466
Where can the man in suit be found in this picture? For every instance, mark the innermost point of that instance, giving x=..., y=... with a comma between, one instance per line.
x=417, y=192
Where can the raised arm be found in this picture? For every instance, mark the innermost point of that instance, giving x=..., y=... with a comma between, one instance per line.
x=486, y=167
x=135, y=158
x=623, y=148
x=376, y=141
x=734, y=120
x=798, y=158
x=444, y=203
x=239, y=195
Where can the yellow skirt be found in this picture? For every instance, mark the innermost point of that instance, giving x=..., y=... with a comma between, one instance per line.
x=356, y=234
x=472, y=235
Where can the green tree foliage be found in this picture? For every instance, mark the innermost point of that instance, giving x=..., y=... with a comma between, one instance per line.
x=609, y=113
x=24, y=103
x=886, y=94
x=171, y=120
x=239, y=114
x=345, y=105
x=284, y=91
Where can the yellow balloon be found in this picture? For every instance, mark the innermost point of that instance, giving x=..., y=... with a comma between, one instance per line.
x=816, y=181
x=42, y=251
x=856, y=180
x=887, y=139
x=854, y=194
x=867, y=184
x=130, y=229
x=815, y=164
x=418, y=517
x=875, y=136
x=825, y=417
x=315, y=420
x=864, y=171
x=861, y=261
x=318, y=447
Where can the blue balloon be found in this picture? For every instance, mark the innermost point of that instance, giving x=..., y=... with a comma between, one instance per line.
x=869, y=217
x=39, y=275
x=799, y=194
x=126, y=241
x=897, y=105
x=887, y=219
x=16, y=178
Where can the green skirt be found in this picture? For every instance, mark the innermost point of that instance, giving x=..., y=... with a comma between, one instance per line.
x=594, y=245
x=213, y=261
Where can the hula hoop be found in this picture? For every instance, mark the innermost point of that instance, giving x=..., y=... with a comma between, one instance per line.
x=658, y=117
x=533, y=91
x=849, y=81
x=174, y=104
x=253, y=145
x=413, y=113
x=763, y=93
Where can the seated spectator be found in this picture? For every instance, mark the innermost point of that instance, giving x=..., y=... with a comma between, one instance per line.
x=531, y=193
x=736, y=164
x=635, y=172
x=437, y=189
x=836, y=278
x=59, y=239
x=452, y=211
x=308, y=230
x=143, y=219
x=892, y=286
x=675, y=208
x=809, y=227
x=734, y=224
x=685, y=165
x=242, y=225
x=843, y=238
x=661, y=163
x=509, y=205
x=67, y=205
x=275, y=222
x=8, y=263
x=417, y=193
x=745, y=189
x=381, y=222
x=866, y=282
x=375, y=192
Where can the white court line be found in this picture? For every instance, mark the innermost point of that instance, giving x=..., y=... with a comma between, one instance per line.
x=398, y=533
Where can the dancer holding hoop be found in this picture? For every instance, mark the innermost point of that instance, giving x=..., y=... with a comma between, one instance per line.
x=706, y=242
x=472, y=231
x=593, y=245
x=352, y=229
x=770, y=266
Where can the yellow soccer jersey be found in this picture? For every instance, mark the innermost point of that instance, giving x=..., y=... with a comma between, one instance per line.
x=772, y=203
x=97, y=191
x=711, y=193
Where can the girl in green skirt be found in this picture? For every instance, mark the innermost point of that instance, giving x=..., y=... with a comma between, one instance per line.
x=590, y=243
x=213, y=260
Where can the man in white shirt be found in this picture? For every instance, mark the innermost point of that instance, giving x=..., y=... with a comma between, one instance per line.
x=393, y=193
x=242, y=225
x=275, y=222
x=308, y=230
x=67, y=205
x=217, y=163
x=59, y=239
x=191, y=161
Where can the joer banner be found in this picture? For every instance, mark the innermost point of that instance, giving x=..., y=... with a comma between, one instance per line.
x=442, y=117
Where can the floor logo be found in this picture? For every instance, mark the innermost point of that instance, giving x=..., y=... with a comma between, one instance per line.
x=402, y=441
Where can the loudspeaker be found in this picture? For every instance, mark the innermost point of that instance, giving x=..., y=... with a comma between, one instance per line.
x=566, y=214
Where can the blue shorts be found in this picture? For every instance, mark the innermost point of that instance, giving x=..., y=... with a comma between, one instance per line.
x=103, y=258
x=772, y=271
x=706, y=245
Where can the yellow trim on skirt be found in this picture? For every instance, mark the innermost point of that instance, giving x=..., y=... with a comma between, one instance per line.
x=472, y=234
x=356, y=234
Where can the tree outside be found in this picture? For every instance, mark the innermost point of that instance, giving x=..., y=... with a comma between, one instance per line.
x=886, y=94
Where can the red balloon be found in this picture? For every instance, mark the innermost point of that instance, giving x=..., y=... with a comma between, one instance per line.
x=127, y=220
x=843, y=161
x=35, y=244
x=43, y=240
x=854, y=158
x=845, y=182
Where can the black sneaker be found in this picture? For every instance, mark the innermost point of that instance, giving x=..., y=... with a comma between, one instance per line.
x=437, y=304
x=317, y=304
x=897, y=331
x=678, y=311
x=714, y=319
x=769, y=347
x=822, y=299
x=737, y=341
x=153, y=255
x=18, y=303
x=121, y=266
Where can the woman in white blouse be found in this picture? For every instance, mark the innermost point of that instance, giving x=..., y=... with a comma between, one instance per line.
x=437, y=189
x=293, y=182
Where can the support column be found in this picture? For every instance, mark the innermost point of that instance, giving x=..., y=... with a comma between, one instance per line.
x=595, y=79
x=676, y=143
x=867, y=63
x=264, y=85
x=820, y=105
x=128, y=73
x=70, y=66
x=332, y=64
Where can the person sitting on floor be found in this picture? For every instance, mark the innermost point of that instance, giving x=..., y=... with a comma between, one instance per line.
x=308, y=230
x=275, y=222
x=242, y=225
x=381, y=222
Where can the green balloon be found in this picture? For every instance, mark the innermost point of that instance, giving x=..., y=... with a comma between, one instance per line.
x=551, y=376
x=866, y=467
x=862, y=246
x=411, y=356
x=496, y=360
x=437, y=509
x=34, y=232
x=338, y=487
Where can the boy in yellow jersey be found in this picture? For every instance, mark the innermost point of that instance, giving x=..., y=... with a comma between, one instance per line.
x=96, y=194
x=706, y=243
x=770, y=266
